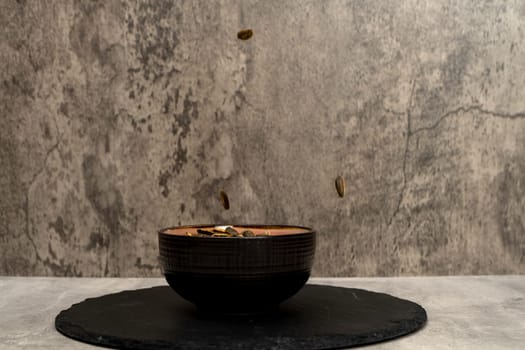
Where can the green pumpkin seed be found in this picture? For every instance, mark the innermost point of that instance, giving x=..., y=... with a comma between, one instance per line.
x=232, y=231
x=220, y=235
x=248, y=233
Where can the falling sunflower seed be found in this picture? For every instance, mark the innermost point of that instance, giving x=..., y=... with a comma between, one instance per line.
x=245, y=34
x=224, y=200
x=340, y=186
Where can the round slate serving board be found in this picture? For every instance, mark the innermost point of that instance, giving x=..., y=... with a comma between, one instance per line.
x=318, y=317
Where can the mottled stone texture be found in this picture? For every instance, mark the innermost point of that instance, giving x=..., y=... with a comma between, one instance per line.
x=118, y=118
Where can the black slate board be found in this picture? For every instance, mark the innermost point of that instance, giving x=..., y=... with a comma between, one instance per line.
x=318, y=317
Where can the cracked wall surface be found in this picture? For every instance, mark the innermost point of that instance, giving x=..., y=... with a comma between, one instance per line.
x=118, y=118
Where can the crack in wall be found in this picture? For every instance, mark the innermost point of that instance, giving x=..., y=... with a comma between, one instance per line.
x=37, y=174
x=405, y=155
x=410, y=133
x=65, y=270
x=44, y=166
x=476, y=108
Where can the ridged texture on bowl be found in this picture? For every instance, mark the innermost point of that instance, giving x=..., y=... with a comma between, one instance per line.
x=237, y=255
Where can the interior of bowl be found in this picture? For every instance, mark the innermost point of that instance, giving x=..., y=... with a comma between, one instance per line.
x=258, y=230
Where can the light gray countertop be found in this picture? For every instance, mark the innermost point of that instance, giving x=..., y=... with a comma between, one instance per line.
x=483, y=312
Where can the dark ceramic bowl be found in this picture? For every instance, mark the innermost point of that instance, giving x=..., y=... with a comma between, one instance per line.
x=237, y=274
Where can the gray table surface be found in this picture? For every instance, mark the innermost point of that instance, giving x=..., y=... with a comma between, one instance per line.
x=482, y=312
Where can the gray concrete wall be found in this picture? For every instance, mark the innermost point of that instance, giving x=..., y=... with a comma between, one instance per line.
x=118, y=118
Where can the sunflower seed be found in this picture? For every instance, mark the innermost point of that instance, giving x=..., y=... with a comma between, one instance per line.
x=224, y=200
x=245, y=34
x=205, y=232
x=340, y=186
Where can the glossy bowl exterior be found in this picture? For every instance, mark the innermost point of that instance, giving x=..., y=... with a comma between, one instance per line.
x=237, y=275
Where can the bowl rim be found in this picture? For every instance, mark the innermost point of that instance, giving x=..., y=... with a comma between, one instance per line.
x=310, y=231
